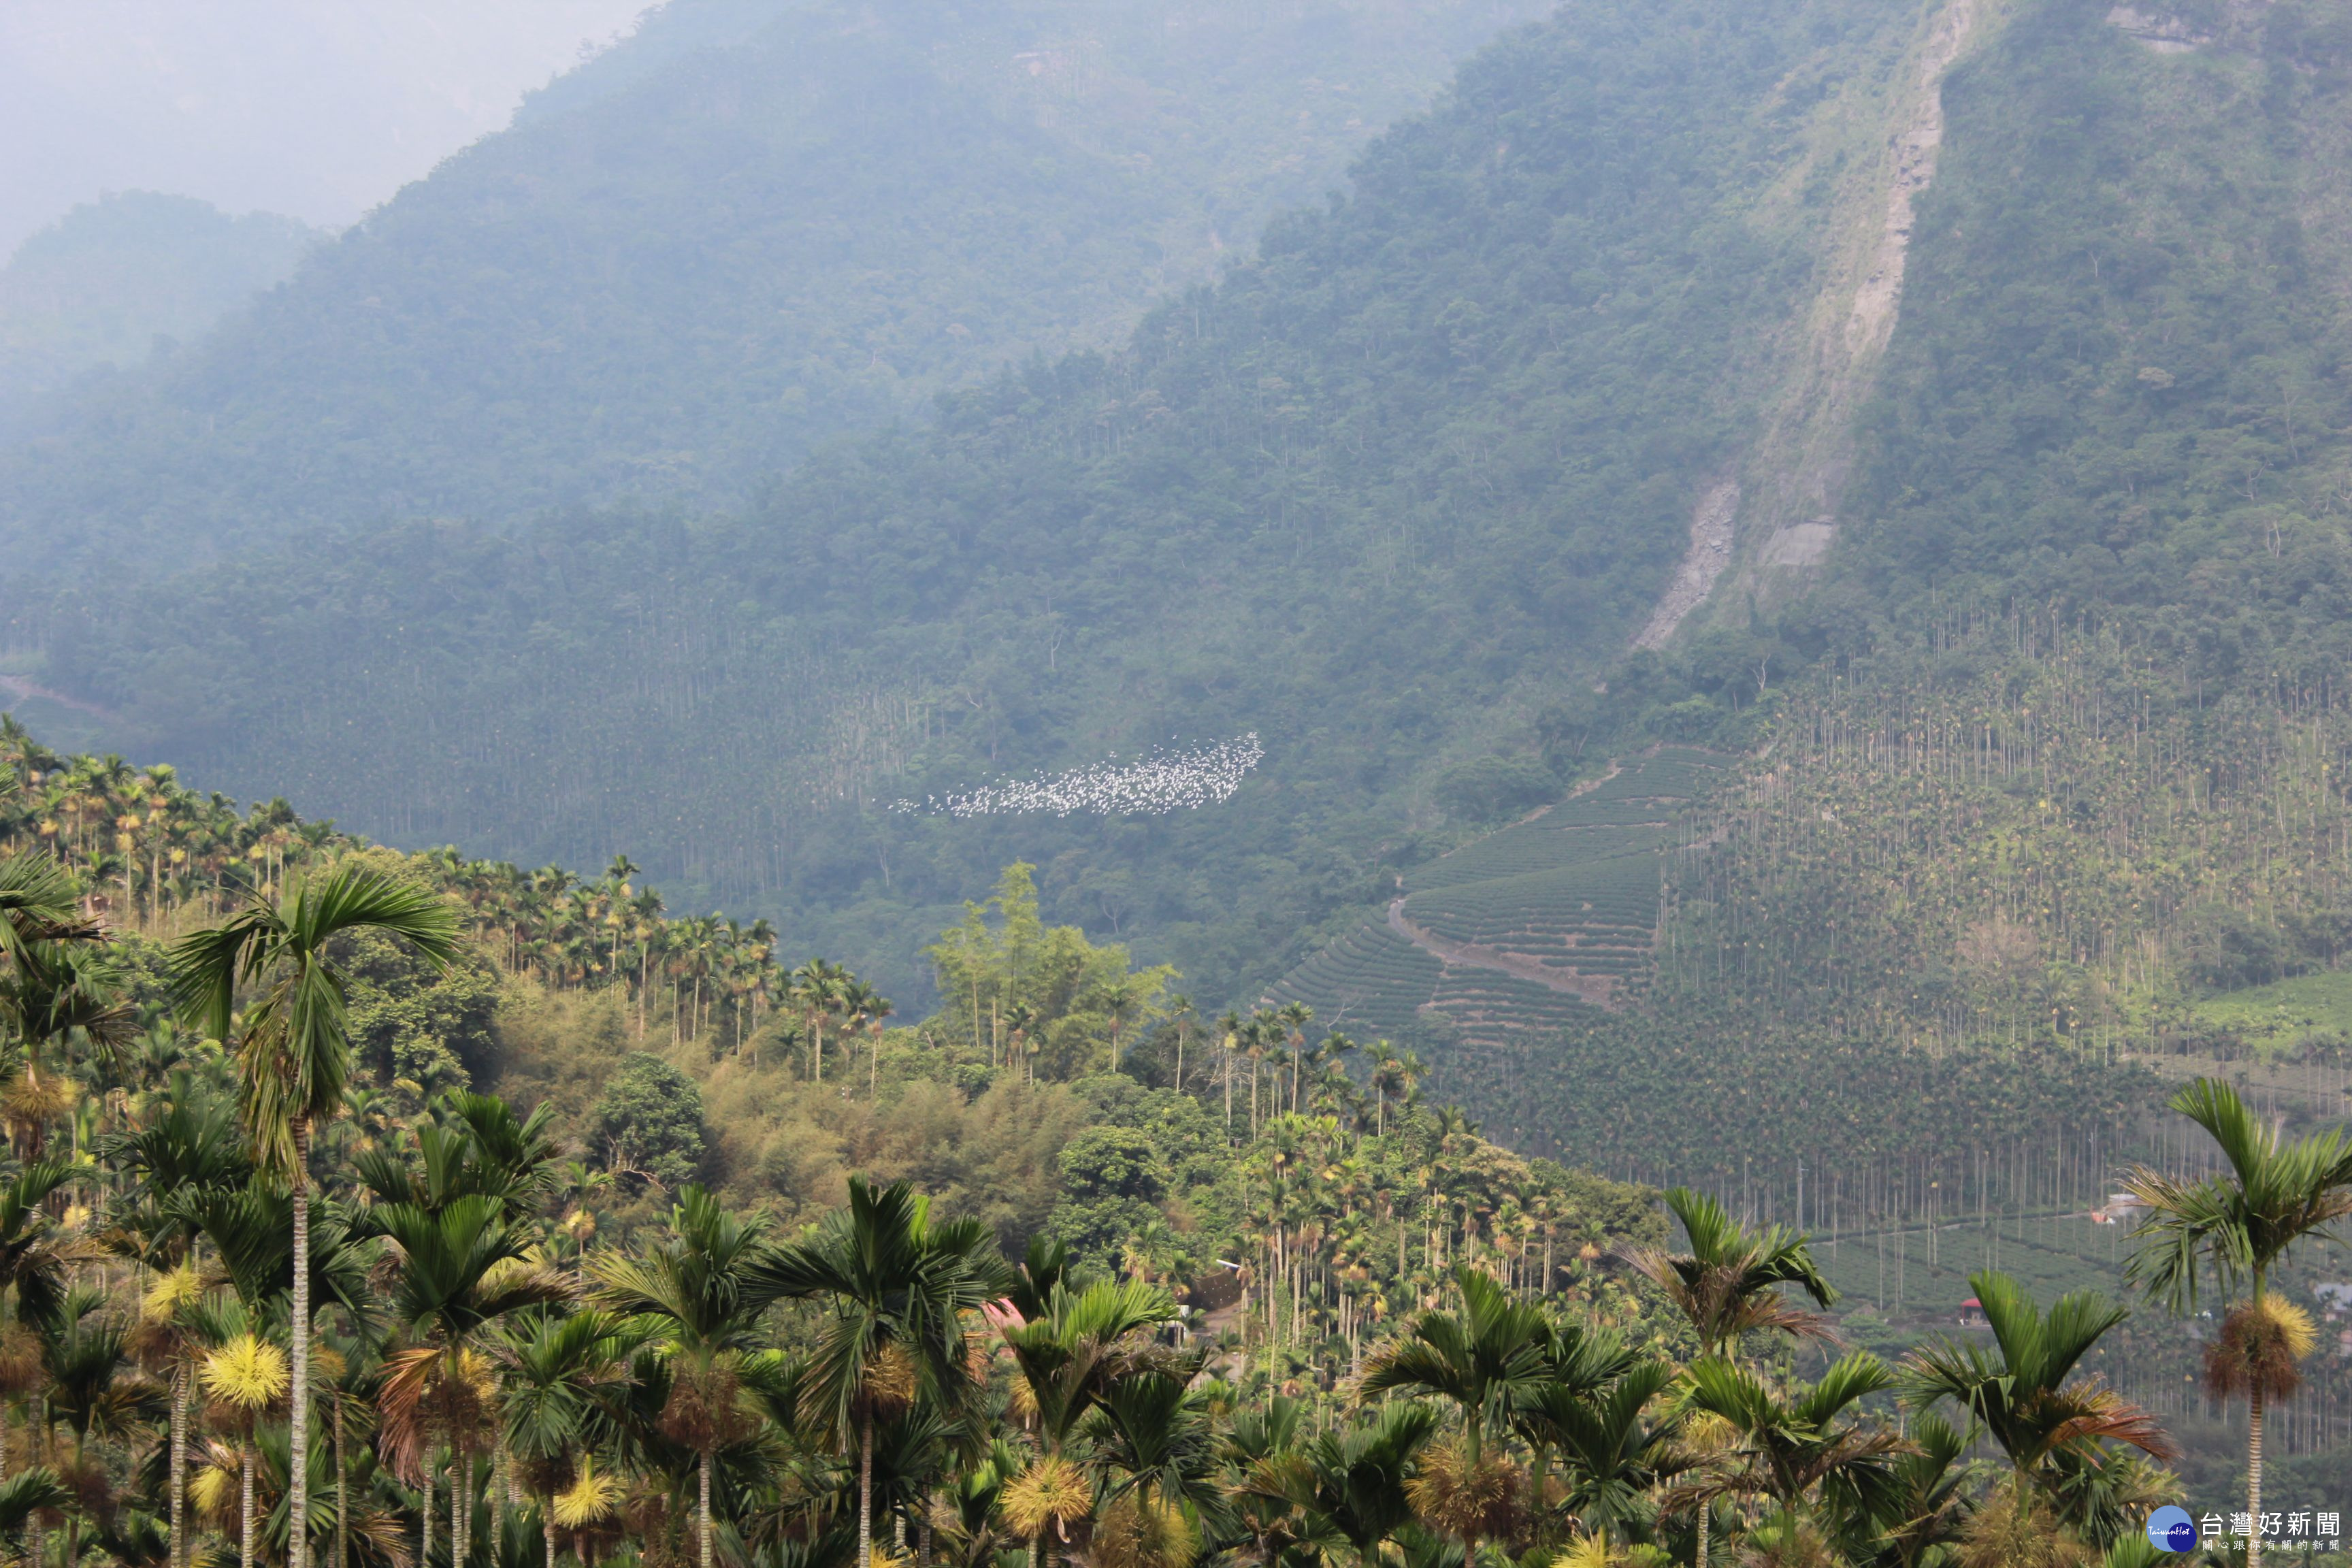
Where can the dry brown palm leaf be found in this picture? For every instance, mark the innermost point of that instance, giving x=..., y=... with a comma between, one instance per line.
x=20, y=1360
x=2102, y=1415
x=387, y=1536
x=2259, y=1349
x=422, y=1395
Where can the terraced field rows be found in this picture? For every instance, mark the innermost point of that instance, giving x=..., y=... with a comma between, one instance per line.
x=1487, y=1005
x=1518, y=931
x=1370, y=982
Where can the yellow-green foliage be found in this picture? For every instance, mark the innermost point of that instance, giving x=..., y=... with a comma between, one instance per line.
x=2031, y=850
x=560, y=1046
x=2286, y=1013
x=780, y=1142
x=791, y=1144
x=1068, y=1000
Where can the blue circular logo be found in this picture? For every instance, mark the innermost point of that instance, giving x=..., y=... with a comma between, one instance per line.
x=2171, y=1530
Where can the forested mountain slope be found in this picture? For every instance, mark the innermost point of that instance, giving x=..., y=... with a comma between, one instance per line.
x=2047, y=752
x=754, y=226
x=1379, y=500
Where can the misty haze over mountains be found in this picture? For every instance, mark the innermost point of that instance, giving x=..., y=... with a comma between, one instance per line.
x=318, y=112
x=751, y=227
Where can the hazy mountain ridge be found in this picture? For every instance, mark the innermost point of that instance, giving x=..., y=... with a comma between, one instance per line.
x=103, y=283
x=677, y=285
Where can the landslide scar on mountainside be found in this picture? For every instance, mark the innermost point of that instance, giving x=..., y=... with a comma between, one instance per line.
x=1783, y=512
x=1702, y=563
x=1809, y=446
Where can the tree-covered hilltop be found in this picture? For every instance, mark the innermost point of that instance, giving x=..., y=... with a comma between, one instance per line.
x=750, y=229
x=678, y=1048
x=1379, y=497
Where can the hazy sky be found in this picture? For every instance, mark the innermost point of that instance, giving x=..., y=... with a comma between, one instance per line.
x=317, y=108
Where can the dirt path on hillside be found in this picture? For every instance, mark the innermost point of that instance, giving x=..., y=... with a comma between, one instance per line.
x=1592, y=988
x=21, y=689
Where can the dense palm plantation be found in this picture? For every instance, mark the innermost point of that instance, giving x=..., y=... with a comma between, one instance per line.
x=1287, y=1314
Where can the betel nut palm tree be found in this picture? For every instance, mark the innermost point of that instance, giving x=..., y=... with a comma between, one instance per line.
x=898, y=1284
x=1070, y=1349
x=1616, y=1451
x=294, y=1057
x=1482, y=1360
x=460, y=1270
x=821, y=990
x=55, y=979
x=558, y=1375
x=1352, y=1483
x=697, y=1284
x=2028, y=1399
x=1729, y=1285
x=1803, y=1445
x=2235, y=1228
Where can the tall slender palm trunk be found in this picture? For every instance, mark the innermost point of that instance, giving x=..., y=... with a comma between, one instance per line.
x=342, y=1496
x=702, y=1509
x=2254, y=1449
x=866, y=1491
x=73, y=1521
x=547, y=1526
x=179, y=1466
x=245, y=1506
x=298, y=1434
x=2254, y=1475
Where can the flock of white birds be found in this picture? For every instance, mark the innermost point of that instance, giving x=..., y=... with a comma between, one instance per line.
x=1162, y=782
